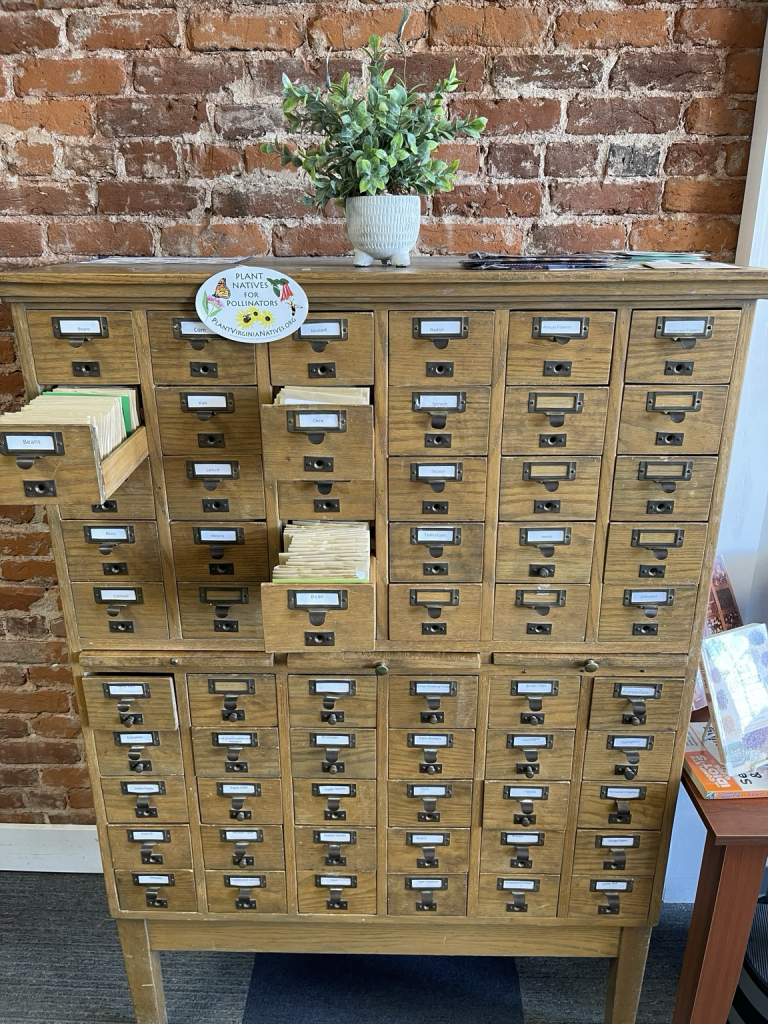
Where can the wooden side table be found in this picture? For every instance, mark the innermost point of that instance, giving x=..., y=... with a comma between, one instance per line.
x=735, y=855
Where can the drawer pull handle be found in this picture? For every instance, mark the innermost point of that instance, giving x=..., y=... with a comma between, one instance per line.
x=614, y=904
x=236, y=810
x=427, y=901
x=334, y=857
x=618, y=863
x=518, y=905
x=233, y=753
x=142, y=808
x=334, y=901
x=154, y=899
x=147, y=856
x=522, y=858
x=244, y=901
x=638, y=715
x=240, y=856
x=230, y=712
x=128, y=717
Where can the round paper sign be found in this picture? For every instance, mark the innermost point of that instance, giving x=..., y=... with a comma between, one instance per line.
x=251, y=304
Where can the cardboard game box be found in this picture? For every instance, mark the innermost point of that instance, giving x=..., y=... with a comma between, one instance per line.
x=703, y=766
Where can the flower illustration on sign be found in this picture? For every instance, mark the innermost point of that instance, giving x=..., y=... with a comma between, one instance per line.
x=282, y=290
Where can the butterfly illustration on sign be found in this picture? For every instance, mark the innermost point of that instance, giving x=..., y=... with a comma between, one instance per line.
x=248, y=304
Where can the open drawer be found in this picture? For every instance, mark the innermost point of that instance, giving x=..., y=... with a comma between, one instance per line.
x=61, y=463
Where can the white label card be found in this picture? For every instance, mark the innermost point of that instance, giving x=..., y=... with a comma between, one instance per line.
x=637, y=691
x=29, y=442
x=333, y=740
x=427, y=840
x=611, y=886
x=429, y=790
x=435, y=472
x=335, y=837
x=607, y=841
x=426, y=883
x=525, y=838
x=308, y=598
x=438, y=401
x=206, y=401
x=212, y=468
x=108, y=533
x=523, y=688
x=331, y=790
x=333, y=881
x=117, y=595
x=128, y=739
x=630, y=742
x=431, y=328
x=142, y=788
x=434, y=536
x=243, y=739
x=560, y=326
x=525, y=792
x=153, y=879
x=545, y=536
x=331, y=686
x=523, y=884
x=649, y=596
x=192, y=327
x=125, y=689
x=232, y=835
x=430, y=741
x=685, y=326
x=150, y=837
x=320, y=329
x=623, y=792
x=79, y=327
x=246, y=881
x=529, y=741
x=317, y=420
x=222, y=536
x=238, y=789
x=433, y=689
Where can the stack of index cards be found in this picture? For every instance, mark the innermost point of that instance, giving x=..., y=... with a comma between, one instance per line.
x=324, y=553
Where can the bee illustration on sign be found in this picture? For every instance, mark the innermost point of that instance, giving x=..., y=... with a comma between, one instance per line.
x=251, y=305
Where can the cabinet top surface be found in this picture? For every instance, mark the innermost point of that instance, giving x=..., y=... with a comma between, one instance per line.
x=443, y=273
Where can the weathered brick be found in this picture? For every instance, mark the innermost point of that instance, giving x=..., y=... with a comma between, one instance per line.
x=18, y=598
x=31, y=158
x=578, y=236
x=57, y=726
x=426, y=68
x=614, y=115
x=609, y=29
x=10, y=798
x=327, y=239
x=20, y=33
x=40, y=750
x=56, y=76
x=634, y=160
x=605, y=197
x=267, y=74
x=571, y=159
x=255, y=160
x=11, y=675
x=210, y=161
x=511, y=117
x=19, y=776
x=688, y=195
x=7, y=349
x=33, y=626
x=12, y=728
x=742, y=71
x=32, y=702
x=20, y=239
x=259, y=200
x=247, y=122
x=441, y=238
x=47, y=800
x=548, y=71
x=513, y=160
x=101, y=238
x=25, y=817
x=80, y=799
x=51, y=199
x=71, y=817
x=60, y=117
x=166, y=117
x=215, y=239
x=460, y=25
x=722, y=26
x=33, y=653
x=127, y=197
x=68, y=776
x=124, y=30
x=11, y=382
x=220, y=30
x=490, y=201
x=346, y=30
x=685, y=234
x=670, y=72
x=90, y=160
x=737, y=158
x=146, y=158
x=720, y=116
x=27, y=569
x=168, y=75
x=18, y=543
x=693, y=158
x=17, y=514
x=465, y=152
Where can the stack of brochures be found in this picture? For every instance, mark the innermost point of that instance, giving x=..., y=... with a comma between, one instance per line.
x=323, y=396
x=113, y=412
x=710, y=776
x=324, y=553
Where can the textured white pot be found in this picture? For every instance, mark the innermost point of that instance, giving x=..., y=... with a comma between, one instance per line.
x=383, y=228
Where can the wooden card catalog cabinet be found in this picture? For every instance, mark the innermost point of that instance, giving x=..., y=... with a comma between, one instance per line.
x=486, y=736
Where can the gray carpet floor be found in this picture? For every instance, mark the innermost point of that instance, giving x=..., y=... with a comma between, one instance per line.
x=60, y=963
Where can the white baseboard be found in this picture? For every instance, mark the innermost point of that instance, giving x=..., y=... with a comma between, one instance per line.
x=66, y=848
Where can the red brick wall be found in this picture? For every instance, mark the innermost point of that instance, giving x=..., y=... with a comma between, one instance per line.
x=132, y=127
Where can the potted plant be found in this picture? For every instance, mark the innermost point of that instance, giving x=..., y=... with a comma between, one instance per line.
x=371, y=150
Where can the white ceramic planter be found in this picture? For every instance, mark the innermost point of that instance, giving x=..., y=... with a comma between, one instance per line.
x=383, y=228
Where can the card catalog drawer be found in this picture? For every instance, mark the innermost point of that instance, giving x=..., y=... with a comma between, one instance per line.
x=348, y=500
x=221, y=488
x=140, y=751
x=236, y=752
x=212, y=610
x=517, y=851
x=297, y=616
x=661, y=487
x=546, y=348
x=322, y=443
x=669, y=551
x=449, y=754
x=535, y=701
x=436, y=550
x=558, y=551
x=261, y=892
x=427, y=803
x=61, y=462
x=427, y=849
x=333, y=752
x=215, y=420
x=80, y=344
x=132, y=500
x=510, y=894
x=525, y=805
x=323, y=801
x=219, y=699
x=185, y=351
x=421, y=488
x=610, y=898
x=549, y=613
x=332, y=700
x=334, y=892
x=131, y=799
x=645, y=757
x=635, y=704
x=98, y=549
x=434, y=420
x=690, y=345
x=549, y=486
x=144, y=848
x=444, y=895
x=347, y=849
x=567, y=421
x=440, y=346
x=227, y=550
x=240, y=847
x=328, y=348
x=130, y=702
x=649, y=615
x=443, y=614
x=130, y=610
x=155, y=891
x=231, y=800
x=432, y=700
x=672, y=420
x=622, y=805
x=603, y=852
x=529, y=755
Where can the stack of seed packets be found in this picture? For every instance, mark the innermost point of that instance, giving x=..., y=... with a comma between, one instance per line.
x=323, y=396
x=113, y=412
x=324, y=553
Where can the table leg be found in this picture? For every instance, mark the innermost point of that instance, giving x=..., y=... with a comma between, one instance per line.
x=142, y=967
x=625, y=979
x=729, y=885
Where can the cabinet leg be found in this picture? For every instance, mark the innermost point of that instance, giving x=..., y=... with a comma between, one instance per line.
x=142, y=967
x=625, y=980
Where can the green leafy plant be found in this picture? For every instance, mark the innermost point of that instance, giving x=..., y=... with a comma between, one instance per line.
x=372, y=139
